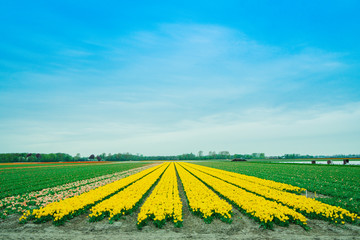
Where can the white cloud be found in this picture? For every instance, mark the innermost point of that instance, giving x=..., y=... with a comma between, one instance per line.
x=273, y=131
x=183, y=88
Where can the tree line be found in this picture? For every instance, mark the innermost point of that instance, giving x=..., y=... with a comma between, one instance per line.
x=64, y=157
x=212, y=155
x=35, y=157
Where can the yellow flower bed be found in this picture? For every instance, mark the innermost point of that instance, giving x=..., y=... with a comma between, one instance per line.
x=125, y=201
x=164, y=203
x=60, y=211
x=202, y=200
x=265, y=211
x=308, y=206
x=260, y=181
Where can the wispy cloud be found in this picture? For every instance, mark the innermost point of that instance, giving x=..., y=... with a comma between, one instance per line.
x=274, y=131
x=181, y=88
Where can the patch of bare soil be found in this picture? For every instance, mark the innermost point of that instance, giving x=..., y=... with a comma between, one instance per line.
x=314, y=195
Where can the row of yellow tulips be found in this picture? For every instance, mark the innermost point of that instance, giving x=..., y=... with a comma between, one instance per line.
x=126, y=200
x=260, y=181
x=307, y=206
x=203, y=201
x=67, y=208
x=164, y=203
x=262, y=210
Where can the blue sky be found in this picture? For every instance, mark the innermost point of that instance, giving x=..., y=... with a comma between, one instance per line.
x=165, y=78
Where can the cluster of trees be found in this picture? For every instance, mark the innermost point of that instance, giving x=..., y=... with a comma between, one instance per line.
x=35, y=157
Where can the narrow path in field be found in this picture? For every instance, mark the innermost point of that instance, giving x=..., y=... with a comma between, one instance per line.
x=185, y=205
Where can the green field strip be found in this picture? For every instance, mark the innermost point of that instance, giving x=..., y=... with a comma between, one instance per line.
x=24, y=181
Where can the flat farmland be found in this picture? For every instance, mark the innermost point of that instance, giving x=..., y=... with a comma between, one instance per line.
x=181, y=200
x=22, y=178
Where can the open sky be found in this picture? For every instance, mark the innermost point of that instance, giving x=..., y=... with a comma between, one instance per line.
x=173, y=77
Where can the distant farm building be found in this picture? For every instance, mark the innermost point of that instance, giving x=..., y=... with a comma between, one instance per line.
x=238, y=160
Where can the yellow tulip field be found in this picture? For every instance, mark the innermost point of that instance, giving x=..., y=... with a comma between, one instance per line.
x=158, y=195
